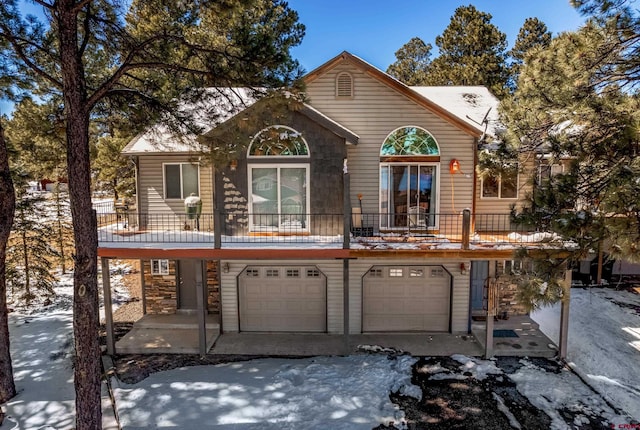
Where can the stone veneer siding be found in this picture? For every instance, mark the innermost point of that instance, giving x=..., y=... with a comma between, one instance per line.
x=507, y=297
x=161, y=293
x=213, y=287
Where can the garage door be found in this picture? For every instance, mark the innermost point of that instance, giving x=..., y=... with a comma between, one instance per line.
x=406, y=298
x=283, y=299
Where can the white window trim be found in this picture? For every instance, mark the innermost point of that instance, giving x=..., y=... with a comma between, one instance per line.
x=278, y=166
x=416, y=155
x=164, y=180
x=287, y=157
x=499, y=197
x=163, y=267
x=435, y=202
x=559, y=167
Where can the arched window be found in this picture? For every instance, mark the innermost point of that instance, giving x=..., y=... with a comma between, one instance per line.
x=409, y=141
x=278, y=141
x=278, y=188
x=409, y=169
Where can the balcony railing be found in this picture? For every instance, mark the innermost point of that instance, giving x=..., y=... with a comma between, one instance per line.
x=369, y=230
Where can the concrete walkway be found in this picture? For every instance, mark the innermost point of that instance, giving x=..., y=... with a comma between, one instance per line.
x=290, y=344
x=529, y=341
x=172, y=334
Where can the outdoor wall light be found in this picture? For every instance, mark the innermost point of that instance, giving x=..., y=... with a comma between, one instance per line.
x=454, y=166
x=225, y=267
x=233, y=165
x=464, y=268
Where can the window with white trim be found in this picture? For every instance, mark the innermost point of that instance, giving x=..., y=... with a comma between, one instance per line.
x=501, y=186
x=279, y=192
x=159, y=267
x=409, y=162
x=180, y=180
x=547, y=170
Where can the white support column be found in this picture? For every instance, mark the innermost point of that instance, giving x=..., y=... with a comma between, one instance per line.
x=564, y=316
x=200, y=297
x=108, y=311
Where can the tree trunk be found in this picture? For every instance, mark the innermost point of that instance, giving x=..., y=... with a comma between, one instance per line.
x=87, y=367
x=7, y=208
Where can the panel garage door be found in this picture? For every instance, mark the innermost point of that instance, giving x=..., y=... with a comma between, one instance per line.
x=406, y=298
x=283, y=299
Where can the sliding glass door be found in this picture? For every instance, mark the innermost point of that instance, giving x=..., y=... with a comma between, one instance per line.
x=407, y=195
x=279, y=198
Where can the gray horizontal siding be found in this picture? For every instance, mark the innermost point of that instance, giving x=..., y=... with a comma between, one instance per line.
x=375, y=111
x=151, y=186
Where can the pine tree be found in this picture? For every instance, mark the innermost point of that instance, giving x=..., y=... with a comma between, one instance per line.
x=412, y=62
x=30, y=253
x=114, y=173
x=159, y=57
x=61, y=228
x=534, y=34
x=471, y=52
x=572, y=106
x=36, y=131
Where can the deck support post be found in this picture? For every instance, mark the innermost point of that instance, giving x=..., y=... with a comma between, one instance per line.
x=108, y=310
x=466, y=228
x=200, y=297
x=142, y=287
x=346, y=204
x=345, y=304
x=491, y=309
x=564, y=316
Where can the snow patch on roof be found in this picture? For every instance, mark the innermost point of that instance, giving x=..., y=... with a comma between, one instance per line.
x=222, y=104
x=474, y=105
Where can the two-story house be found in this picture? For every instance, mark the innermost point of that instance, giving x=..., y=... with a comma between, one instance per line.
x=360, y=212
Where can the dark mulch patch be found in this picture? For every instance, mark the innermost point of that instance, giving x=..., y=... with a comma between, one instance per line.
x=133, y=368
x=473, y=404
x=465, y=403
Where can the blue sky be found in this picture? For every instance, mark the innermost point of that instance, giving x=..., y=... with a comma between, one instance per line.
x=375, y=29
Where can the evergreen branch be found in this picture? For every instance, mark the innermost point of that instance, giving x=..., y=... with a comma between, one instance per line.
x=125, y=66
x=18, y=49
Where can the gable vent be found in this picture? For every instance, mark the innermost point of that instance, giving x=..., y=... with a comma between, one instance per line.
x=344, y=85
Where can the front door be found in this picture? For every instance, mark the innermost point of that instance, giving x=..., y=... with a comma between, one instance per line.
x=187, y=298
x=479, y=274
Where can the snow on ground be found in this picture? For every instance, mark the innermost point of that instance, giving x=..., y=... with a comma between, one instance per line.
x=603, y=343
x=326, y=392
x=41, y=351
x=314, y=393
x=552, y=393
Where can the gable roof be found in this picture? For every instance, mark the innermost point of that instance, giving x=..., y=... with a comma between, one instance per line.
x=449, y=103
x=160, y=139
